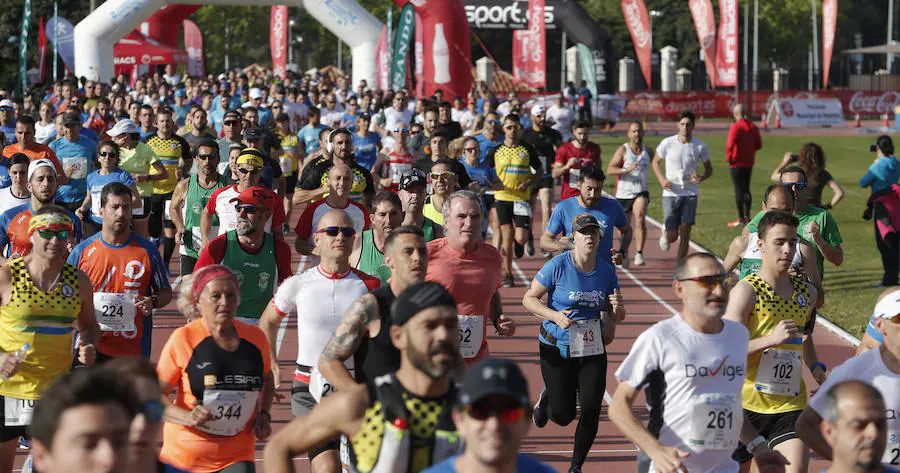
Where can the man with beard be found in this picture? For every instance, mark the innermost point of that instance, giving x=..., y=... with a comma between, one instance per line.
x=574, y=156
x=42, y=184
x=318, y=297
x=313, y=184
x=258, y=259
x=400, y=421
x=127, y=275
x=630, y=164
x=339, y=185
x=387, y=214
x=545, y=141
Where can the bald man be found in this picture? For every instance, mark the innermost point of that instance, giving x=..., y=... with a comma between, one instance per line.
x=339, y=182
x=740, y=152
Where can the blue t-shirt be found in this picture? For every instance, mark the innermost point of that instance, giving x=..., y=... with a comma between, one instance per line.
x=179, y=115
x=77, y=160
x=524, y=464
x=310, y=137
x=7, y=217
x=10, y=133
x=145, y=134
x=482, y=174
x=5, y=180
x=95, y=183
x=217, y=117
x=265, y=116
x=366, y=149
x=350, y=120
x=608, y=212
x=569, y=289
x=485, y=145
x=89, y=134
x=882, y=174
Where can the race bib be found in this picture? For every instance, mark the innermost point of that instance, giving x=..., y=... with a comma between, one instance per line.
x=231, y=411
x=75, y=167
x=114, y=312
x=574, y=176
x=779, y=372
x=892, y=450
x=17, y=412
x=471, y=335
x=166, y=209
x=716, y=421
x=286, y=164
x=319, y=386
x=197, y=238
x=521, y=209
x=585, y=338
x=95, y=205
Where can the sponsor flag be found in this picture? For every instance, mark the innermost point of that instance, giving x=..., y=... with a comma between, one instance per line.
x=420, y=57
x=59, y=33
x=529, y=60
x=639, y=26
x=588, y=69
x=193, y=44
x=403, y=37
x=381, y=60
x=42, y=50
x=727, y=48
x=705, y=22
x=22, y=83
x=829, y=23
x=278, y=40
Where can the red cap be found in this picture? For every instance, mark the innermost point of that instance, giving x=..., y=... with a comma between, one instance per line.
x=258, y=196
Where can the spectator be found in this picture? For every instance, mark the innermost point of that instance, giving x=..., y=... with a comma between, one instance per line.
x=740, y=153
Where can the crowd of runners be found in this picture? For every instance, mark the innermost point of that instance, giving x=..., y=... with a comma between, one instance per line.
x=409, y=212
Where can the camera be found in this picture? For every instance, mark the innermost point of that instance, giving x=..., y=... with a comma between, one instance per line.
x=873, y=148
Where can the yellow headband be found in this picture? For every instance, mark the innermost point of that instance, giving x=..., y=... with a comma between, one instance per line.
x=250, y=160
x=49, y=221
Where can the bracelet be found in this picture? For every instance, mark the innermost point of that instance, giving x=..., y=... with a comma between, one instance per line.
x=817, y=364
x=753, y=444
x=153, y=300
x=263, y=411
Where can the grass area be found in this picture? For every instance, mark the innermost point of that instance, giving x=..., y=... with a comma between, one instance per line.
x=850, y=291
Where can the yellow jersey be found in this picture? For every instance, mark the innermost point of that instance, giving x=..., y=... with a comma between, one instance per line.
x=774, y=382
x=169, y=150
x=45, y=320
x=514, y=167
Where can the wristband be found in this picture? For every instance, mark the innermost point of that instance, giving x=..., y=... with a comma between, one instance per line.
x=753, y=444
x=819, y=363
x=263, y=411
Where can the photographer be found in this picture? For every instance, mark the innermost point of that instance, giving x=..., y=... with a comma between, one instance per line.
x=884, y=203
x=812, y=160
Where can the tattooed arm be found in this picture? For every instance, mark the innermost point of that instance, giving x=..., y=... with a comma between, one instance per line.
x=361, y=320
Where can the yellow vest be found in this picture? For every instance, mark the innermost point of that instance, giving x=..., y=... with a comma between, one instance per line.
x=513, y=166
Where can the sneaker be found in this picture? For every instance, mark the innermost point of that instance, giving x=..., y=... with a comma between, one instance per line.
x=529, y=246
x=509, y=281
x=574, y=469
x=519, y=249
x=638, y=259
x=539, y=416
x=663, y=242
x=736, y=223
x=24, y=444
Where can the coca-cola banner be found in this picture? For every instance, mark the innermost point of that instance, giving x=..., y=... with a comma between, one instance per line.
x=829, y=23
x=278, y=40
x=705, y=22
x=639, y=26
x=382, y=61
x=718, y=104
x=193, y=45
x=727, y=49
x=529, y=62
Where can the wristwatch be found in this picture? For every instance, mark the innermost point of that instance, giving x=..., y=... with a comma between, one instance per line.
x=755, y=443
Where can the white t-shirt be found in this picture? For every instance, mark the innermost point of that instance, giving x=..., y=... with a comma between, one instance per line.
x=682, y=160
x=629, y=186
x=702, y=375
x=44, y=134
x=392, y=117
x=869, y=367
x=466, y=119
x=562, y=118
x=8, y=200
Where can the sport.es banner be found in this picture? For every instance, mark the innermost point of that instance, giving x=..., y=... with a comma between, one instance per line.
x=727, y=49
x=278, y=40
x=705, y=22
x=639, y=26
x=529, y=59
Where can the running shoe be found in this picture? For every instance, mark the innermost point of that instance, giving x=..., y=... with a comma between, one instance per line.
x=509, y=281
x=639, y=259
x=663, y=242
x=24, y=443
x=529, y=245
x=539, y=416
x=574, y=469
x=519, y=249
x=736, y=223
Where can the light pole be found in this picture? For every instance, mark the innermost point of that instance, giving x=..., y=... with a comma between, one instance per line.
x=890, y=33
x=290, y=42
x=653, y=14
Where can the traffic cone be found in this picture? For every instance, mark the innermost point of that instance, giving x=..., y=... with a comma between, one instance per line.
x=778, y=121
x=856, y=123
x=885, y=121
x=764, y=124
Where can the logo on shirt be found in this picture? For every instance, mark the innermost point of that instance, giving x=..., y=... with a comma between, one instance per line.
x=264, y=281
x=590, y=298
x=801, y=300
x=66, y=290
x=203, y=365
x=716, y=369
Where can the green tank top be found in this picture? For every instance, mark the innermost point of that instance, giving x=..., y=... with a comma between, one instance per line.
x=428, y=229
x=371, y=261
x=256, y=273
x=194, y=203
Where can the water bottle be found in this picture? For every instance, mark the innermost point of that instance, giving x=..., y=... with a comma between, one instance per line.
x=28, y=467
x=20, y=357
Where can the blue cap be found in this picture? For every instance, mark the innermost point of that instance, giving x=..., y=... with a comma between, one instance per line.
x=180, y=92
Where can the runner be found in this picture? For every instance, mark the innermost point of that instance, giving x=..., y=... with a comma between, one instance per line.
x=43, y=301
x=14, y=223
x=574, y=156
x=17, y=193
x=76, y=153
x=578, y=322
x=545, y=141
x=412, y=195
x=692, y=391
x=289, y=162
x=309, y=134
x=777, y=308
x=492, y=388
x=127, y=276
x=387, y=214
x=519, y=168
x=439, y=150
x=315, y=175
x=27, y=145
x=561, y=117
x=606, y=210
x=338, y=197
x=333, y=285
x=258, y=259
x=322, y=152
x=443, y=180
x=490, y=137
x=682, y=155
x=630, y=164
x=365, y=143
x=188, y=202
x=108, y=158
x=138, y=159
x=400, y=421
x=388, y=168
x=879, y=368
x=484, y=182
x=219, y=369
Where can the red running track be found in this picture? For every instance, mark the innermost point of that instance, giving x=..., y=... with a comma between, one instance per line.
x=649, y=298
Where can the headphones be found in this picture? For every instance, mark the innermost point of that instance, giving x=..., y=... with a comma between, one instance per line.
x=332, y=134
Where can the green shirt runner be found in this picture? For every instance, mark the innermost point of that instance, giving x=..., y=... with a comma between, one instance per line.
x=194, y=203
x=256, y=274
x=828, y=228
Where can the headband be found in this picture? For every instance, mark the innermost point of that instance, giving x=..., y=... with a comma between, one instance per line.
x=204, y=275
x=49, y=221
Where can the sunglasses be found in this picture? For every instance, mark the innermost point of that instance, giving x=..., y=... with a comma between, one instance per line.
x=153, y=411
x=442, y=175
x=507, y=414
x=248, y=171
x=799, y=185
x=248, y=209
x=493, y=122
x=709, y=282
x=49, y=234
x=470, y=150
x=108, y=154
x=5, y=109
x=230, y=123
x=348, y=232
x=205, y=156
x=401, y=130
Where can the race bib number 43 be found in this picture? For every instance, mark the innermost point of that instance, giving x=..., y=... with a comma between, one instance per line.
x=779, y=372
x=586, y=338
x=716, y=421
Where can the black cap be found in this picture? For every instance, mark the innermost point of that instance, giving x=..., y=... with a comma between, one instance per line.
x=493, y=376
x=365, y=116
x=410, y=177
x=253, y=133
x=418, y=297
x=584, y=221
x=71, y=118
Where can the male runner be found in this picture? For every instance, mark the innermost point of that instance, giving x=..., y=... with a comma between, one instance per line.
x=546, y=141
x=631, y=164
x=313, y=181
x=387, y=214
x=574, y=156
x=412, y=195
x=338, y=198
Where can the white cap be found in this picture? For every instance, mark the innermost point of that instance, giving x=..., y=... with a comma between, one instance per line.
x=255, y=93
x=888, y=306
x=222, y=76
x=40, y=163
x=122, y=126
x=7, y=103
x=538, y=110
